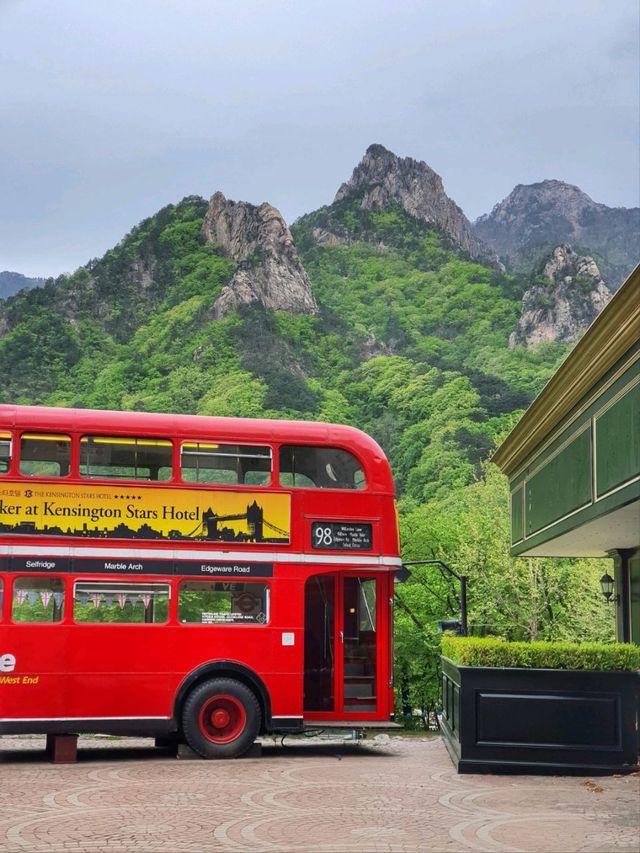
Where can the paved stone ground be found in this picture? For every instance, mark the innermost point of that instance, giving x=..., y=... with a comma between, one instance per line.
x=388, y=794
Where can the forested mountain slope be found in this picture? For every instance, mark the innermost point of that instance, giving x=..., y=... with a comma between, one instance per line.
x=402, y=337
x=382, y=310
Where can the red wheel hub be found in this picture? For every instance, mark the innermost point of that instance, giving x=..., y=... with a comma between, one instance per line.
x=222, y=718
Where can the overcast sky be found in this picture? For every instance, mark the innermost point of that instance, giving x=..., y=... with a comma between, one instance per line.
x=110, y=109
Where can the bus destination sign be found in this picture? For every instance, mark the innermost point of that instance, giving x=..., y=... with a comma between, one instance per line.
x=118, y=565
x=341, y=536
x=40, y=564
x=123, y=566
x=211, y=568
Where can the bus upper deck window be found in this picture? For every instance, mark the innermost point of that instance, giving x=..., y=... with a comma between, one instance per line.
x=225, y=464
x=5, y=452
x=44, y=455
x=320, y=468
x=125, y=458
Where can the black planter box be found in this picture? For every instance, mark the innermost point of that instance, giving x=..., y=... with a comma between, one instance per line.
x=539, y=720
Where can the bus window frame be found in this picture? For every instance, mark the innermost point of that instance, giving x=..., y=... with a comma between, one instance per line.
x=368, y=478
x=133, y=438
x=33, y=434
x=12, y=451
x=273, y=456
x=155, y=581
x=176, y=479
x=267, y=598
x=65, y=609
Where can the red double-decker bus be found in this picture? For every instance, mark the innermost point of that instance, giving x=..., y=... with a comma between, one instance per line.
x=201, y=578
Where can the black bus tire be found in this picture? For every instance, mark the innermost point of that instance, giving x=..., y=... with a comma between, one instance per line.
x=221, y=718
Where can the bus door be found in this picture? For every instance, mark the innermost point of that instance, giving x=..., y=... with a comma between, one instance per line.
x=343, y=650
x=359, y=643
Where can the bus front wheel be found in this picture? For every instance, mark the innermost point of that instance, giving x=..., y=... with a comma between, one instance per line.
x=221, y=718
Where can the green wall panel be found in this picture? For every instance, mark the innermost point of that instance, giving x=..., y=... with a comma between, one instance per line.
x=618, y=442
x=561, y=485
x=558, y=488
x=517, y=516
x=627, y=494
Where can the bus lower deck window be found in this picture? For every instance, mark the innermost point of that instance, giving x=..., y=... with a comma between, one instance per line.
x=319, y=468
x=223, y=602
x=44, y=455
x=131, y=603
x=114, y=457
x=37, y=599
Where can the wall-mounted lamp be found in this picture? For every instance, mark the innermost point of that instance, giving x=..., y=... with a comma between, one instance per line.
x=607, y=585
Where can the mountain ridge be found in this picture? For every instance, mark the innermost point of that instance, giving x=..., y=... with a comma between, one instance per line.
x=12, y=282
x=138, y=329
x=535, y=218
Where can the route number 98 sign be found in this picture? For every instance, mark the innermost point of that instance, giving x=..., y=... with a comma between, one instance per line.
x=341, y=536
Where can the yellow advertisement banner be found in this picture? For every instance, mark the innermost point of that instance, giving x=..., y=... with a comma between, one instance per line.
x=129, y=512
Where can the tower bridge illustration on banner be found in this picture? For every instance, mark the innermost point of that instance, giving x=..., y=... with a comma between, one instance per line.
x=256, y=524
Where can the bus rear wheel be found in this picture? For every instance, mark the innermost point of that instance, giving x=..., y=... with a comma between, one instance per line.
x=221, y=718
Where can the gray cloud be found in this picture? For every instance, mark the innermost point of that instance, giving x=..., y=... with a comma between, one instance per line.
x=111, y=109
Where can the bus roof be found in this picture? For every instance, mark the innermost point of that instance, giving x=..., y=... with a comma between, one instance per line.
x=189, y=426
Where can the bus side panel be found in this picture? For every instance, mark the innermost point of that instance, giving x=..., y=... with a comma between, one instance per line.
x=287, y=641
x=139, y=676
x=274, y=654
x=36, y=686
x=121, y=671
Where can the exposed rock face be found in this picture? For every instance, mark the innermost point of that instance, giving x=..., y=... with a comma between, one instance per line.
x=565, y=299
x=534, y=218
x=383, y=179
x=323, y=237
x=269, y=270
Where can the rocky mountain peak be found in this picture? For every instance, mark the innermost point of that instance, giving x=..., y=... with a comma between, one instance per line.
x=564, y=266
x=571, y=197
x=530, y=211
x=269, y=270
x=564, y=299
x=381, y=173
x=533, y=218
x=383, y=179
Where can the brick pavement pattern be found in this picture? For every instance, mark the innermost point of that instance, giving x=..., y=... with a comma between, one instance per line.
x=388, y=794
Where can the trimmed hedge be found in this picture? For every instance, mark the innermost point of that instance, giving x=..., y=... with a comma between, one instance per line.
x=493, y=651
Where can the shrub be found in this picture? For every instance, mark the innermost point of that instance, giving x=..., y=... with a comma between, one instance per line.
x=493, y=651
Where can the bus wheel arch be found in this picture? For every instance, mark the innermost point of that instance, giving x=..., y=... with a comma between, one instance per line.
x=226, y=669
